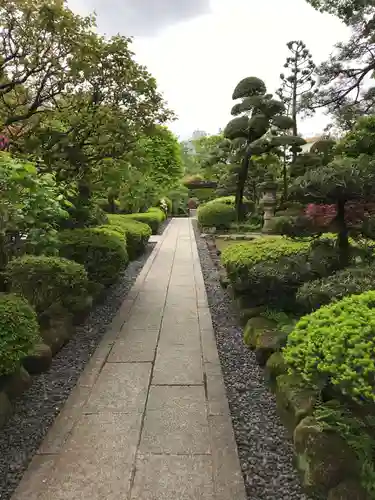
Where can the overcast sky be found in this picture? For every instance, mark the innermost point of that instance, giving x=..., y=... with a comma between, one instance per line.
x=199, y=49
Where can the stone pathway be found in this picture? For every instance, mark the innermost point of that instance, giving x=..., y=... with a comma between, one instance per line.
x=149, y=418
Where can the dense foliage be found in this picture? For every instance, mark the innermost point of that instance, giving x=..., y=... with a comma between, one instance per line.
x=102, y=252
x=19, y=332
x=335, y=345
x=217, y=214
x=49, y=282
x=137, y=234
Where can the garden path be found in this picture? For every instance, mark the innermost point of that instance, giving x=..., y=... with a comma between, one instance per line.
x=149, y=417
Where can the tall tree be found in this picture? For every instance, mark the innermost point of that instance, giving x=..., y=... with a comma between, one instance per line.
x=44, y=51
x=346, y=10
x=297, y=81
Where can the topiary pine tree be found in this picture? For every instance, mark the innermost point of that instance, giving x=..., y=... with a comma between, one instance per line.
x=259, y=124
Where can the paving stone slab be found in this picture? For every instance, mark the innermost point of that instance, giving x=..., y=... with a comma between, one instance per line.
x=228, y=480
x=178, y=365
x=176, y=421
x=173, y=478
x=121, y=387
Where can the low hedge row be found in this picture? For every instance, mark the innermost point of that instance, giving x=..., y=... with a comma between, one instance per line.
x=271, y=270
x=350, y=281
x=137, y=234
x=153, y=218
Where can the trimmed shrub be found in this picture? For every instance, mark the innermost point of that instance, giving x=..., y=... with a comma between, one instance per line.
x=19, y=332
x=81, y=216
x=49, y=281
x=346, y=282
x=335, y=346
x=231, y=200
x=153, y=218
x=239, y=258
x=101, y=251
x=137, y=234
x=219, y=215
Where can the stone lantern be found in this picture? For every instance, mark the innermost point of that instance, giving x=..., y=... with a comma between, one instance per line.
x=268, y=202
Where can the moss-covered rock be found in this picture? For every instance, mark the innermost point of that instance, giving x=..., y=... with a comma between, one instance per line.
x=39, y=360
x=294, y=400
x=275, y=366
x=256, y=326
x=268, y=342
x=16, y=384
x=249, y=313
x=348, y=490
x=5, y=408
x=323, y=457
x=57, y=333
x=224, y=281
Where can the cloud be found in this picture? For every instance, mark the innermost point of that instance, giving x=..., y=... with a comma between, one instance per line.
x=142, y=17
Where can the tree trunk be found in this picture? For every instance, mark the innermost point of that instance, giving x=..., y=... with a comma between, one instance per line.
x=112, y=203
x=294, y=110
x=242, y=177
x=343, y=235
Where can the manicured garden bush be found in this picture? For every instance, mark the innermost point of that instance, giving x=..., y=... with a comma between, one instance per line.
x=153, y=218
x=219, y=215
x=239, y=258
x=230, y=200
x=49, y=281
x=346, y=282
x=137, y=234
x=19, y=332
x=335, y=346
x=102, y=252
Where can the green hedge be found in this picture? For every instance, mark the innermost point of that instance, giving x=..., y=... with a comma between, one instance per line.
x=137, y=234
x=48, y=282
x=219, y=215
x=19, y=332
x=239, y=258
x=346, y=282
x=335, y=345
x=231, y=200
x=270, y=270
x=153, y=218
x=102, y=252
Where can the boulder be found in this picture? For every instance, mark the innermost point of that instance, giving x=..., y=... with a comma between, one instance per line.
x=248, y=313
x=57, y=333
x=275, y=366
x=5, y=409
x=16, y=384
x=323, y=456
x=348, y=490
x=294, y=400
x=39, y=360
x=224, y=280
x=268, y=342
x=256, y=326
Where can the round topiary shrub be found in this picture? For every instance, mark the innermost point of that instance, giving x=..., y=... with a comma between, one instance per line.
x=19, y=332
x=335, y=346
x=137, y=234
x=219, y=215
x=101, y=252
x=231, y=200
x=49, y=281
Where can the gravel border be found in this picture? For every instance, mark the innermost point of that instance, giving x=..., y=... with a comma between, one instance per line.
x=36, y=410
x=265, y=450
